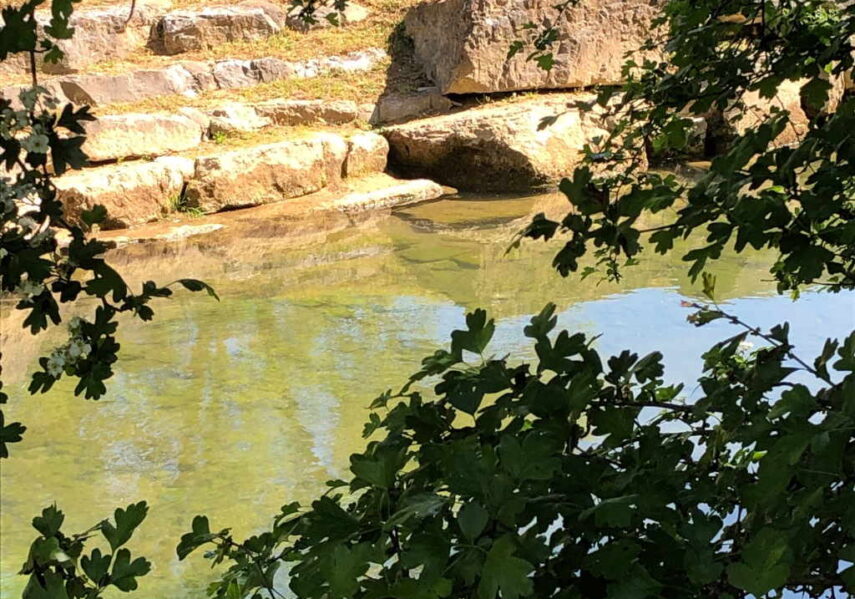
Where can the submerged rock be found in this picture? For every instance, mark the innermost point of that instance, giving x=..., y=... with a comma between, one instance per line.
x=463, y=44
x=498, y=148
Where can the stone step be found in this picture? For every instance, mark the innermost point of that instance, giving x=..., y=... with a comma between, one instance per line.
x=294, y=220
x=99, y=34
x=205, y=29
x=139, y=192
x=189, y=78
x=102, y=34
x=137, y=135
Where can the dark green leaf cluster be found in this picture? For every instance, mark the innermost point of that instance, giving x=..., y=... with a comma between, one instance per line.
x=58, y=569
x=727, y=61
x=580, y=477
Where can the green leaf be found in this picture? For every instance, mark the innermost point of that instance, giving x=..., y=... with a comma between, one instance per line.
x=477, y=335
x=195, y=285
x=49, y=523
x=515, y=48
x=379, y=469
x=545, y=61
x=127, y=521
x=125, y=572
x=53, y=588
x=199, y=535
x=815, y=92
x=342, y=569
x=504, y=573
x=97, y=215
x=472, y=519
x=96, y=566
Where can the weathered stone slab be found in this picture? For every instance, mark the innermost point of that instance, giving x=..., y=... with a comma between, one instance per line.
x=234, y=118
x=185, y=31
x=234, y=73
x=263, y=174
x=127, y=87
x=499, y=148
x=367, y=153
x=190, y=78
x=396, y=108
x=113, y=137
x=463, y=44
x=327, y=16
x=308, y=112
x=403, y=193
x=133, y=193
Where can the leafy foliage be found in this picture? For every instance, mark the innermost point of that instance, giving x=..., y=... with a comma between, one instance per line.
x=580, y=476
x=727, y=60
x=58, y=569
x=47, y=259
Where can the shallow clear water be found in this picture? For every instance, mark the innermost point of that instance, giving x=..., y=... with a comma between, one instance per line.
x=234, y=408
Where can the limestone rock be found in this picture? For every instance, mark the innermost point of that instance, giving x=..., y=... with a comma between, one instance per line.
x=400, y=194
x=463, y=44
x=327, y=16
x=185, y=31
x=273, y=69
x=128, y=87
x=133, y=193
x=235, y=73
x=395, y=108
x=308, y=112
x=99, y=34
x=367, y=153
x=197, y=116
x=725, y=126
x=498, y=148
x=189, y=78
x=267, y=173
x=234, y=118
x=133, y=135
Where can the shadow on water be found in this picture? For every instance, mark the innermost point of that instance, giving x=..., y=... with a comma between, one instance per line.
x=233, y=408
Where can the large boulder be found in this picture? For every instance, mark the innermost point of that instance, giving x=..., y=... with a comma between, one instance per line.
x=114, y=137
x=267, y=173
x=499, y=148
x=132, y=193
x=726, y=125
x=185, y=31
x=463, y=44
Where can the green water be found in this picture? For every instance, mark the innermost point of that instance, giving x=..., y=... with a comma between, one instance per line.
x=233, y=408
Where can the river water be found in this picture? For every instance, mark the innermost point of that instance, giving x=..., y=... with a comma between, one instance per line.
x=233, y=408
